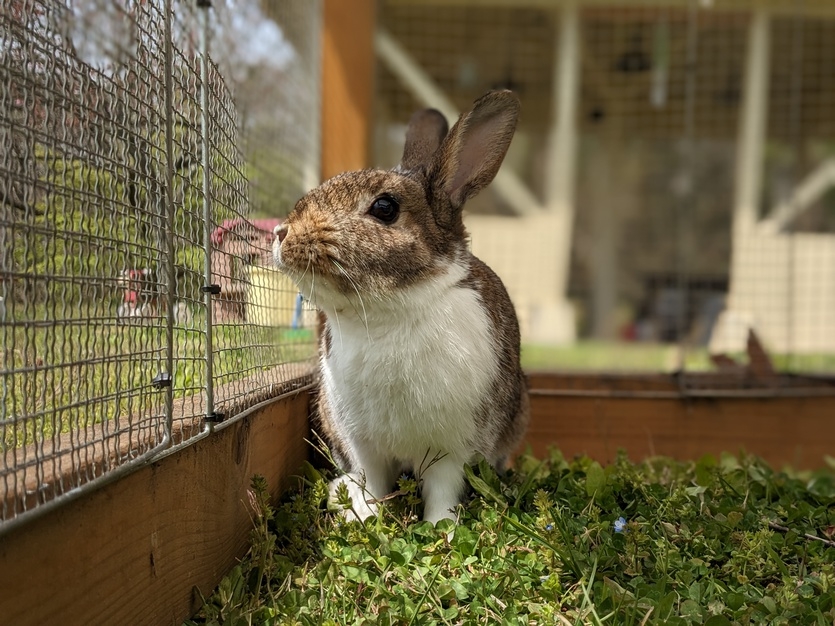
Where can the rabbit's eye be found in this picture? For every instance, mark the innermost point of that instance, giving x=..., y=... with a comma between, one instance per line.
x=385, y=209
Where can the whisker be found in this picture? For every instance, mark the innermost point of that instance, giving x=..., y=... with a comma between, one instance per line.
x=304, y=273
x=338, y=326
x=364, y=316
x=313, y=287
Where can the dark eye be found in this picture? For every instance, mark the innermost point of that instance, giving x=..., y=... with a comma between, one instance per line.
x=385, y=209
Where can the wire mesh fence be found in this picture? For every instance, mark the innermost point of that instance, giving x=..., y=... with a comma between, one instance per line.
x=696, y=201
x=138, y=306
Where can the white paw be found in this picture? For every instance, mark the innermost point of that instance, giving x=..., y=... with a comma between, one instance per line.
x=360, y=509
x=443, y=484
x=435, y=515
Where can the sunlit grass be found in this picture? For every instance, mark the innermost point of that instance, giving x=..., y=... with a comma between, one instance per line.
x=555, y=541
x=69, y=374
x=588, y=355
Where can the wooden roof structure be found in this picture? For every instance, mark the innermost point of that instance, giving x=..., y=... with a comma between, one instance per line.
x=469, y=46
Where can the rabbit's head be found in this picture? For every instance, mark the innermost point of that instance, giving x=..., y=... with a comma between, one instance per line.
x=374, y=231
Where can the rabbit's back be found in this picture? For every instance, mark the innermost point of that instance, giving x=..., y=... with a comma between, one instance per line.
x=506, y=410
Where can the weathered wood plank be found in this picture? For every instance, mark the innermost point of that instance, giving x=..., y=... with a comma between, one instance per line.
x=782, y=430
x=133, y=551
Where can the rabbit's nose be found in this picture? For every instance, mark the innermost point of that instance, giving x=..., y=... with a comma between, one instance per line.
x=280, y=231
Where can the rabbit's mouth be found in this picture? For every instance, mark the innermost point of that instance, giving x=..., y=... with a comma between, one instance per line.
x=318, y=272
x=329, y=291
x=299, y=253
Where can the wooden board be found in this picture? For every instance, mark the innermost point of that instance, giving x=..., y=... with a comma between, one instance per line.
x=347, y=85
x=134, y=551
x=646, y=415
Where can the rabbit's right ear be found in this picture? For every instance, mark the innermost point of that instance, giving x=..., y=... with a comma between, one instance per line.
x=426, y=131
x=474, y=149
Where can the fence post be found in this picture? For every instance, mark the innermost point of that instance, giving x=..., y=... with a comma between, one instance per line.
x=558, y=323
x=209, y=289
x=168, y=229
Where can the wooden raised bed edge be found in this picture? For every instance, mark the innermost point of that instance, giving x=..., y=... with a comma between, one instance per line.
x=785, y=420
x=136, y=551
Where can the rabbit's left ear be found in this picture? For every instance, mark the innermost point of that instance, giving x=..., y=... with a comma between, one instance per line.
x=473, y=151
x=426, y=131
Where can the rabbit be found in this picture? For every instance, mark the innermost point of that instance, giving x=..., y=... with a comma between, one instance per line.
x=420, y=351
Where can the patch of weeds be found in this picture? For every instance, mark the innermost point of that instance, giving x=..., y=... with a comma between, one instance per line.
x=716, y=542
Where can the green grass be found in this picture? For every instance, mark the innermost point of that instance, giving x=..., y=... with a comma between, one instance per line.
x=607, y=356
x=76, y=372
x=649, y=357
x=717, y=542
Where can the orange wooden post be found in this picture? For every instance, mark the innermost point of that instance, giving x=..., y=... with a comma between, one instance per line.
x=347, y=85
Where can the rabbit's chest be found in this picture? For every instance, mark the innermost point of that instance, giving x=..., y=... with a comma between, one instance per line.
x=414, y=381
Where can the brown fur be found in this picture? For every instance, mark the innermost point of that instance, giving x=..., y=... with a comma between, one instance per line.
x=427, y=130
x=509, y=397
x=382, y=258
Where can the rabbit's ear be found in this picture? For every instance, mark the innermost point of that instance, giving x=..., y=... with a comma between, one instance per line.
x=426, y=131
x=474, y=149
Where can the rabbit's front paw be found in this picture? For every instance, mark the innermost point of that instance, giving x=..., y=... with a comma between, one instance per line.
x=360, y=508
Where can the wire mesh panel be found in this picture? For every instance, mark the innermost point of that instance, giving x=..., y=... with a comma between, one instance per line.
x=82, y=225
x=262, y=326
x=695, y=203
x=187, y=162
x=785, y=254
x=137, y=297
x=659, y=128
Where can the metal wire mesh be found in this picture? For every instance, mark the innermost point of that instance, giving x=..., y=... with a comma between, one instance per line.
x=124, y=195
x=679, y=120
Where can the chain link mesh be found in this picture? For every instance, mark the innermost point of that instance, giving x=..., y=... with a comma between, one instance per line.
x=108, y=240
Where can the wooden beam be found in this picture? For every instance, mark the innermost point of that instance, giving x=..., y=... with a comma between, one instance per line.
x=562, y=162
x=565, y=98
x=752, y=127
x=135, y=551
x=805, y=194
x=421, y=85
x=347, y=85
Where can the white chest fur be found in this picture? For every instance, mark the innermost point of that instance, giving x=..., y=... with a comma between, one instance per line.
x=411, y=380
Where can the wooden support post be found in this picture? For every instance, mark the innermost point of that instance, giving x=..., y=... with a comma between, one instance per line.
x=752, y=126
x=347, y=85
x=732, y=327
x=562, y=154
x=562, y=163
x=606, y=201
